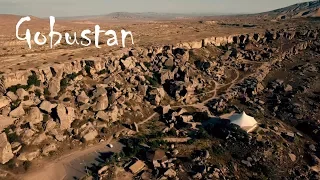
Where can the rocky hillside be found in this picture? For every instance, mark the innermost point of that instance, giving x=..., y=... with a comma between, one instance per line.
x=307, y=9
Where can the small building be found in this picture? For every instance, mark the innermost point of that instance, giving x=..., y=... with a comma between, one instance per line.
x=137, y=167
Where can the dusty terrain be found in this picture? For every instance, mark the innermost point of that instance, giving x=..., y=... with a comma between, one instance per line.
x=76, y=112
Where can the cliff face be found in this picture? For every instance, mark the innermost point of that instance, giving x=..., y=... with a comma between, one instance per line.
x=45, y=72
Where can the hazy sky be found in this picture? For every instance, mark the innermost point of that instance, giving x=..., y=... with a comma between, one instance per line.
x=58, y=8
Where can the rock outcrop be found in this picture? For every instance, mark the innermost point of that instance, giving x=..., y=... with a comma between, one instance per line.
x=5, y=149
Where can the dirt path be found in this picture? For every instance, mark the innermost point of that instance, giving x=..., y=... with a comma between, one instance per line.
x=61, y=167
x=57, y=169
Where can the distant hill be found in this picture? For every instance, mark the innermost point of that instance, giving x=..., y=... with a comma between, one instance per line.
x=306, y=9
x=146, y=15
x=139, y=16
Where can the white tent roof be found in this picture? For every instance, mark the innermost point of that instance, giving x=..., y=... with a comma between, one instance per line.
x=246, y=122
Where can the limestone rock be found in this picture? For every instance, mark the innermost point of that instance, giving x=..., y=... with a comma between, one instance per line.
x=5, y=149
x=128, y=63
x=5, y=121
x=292, y=157
x=34, y=116
x=89, y=133
x=170, y=173
x=50, y=125
x=114, y=113
x=47, y=106
x=83, y=98
x=6, y=110
x=12, y=96
x=29, y=156
x=39, y=139
x=4, y=101
x=103, y=116
x=49, y=148
x=66, y=116
x=54, y=87
x=18, y=112
x=102, y=103
x=27, y=136
x=21, y=93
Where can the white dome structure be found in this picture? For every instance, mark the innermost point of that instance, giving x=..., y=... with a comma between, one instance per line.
x=246, y=122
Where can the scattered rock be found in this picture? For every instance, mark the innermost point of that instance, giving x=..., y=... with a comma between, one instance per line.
x=49, y=148
x=170, y=173
x=5, y=149
x=102, y=103
x=83, y=98
x=66, y=116
x=29, y=156
x=17, y=112
x=292, y=157
x=47, y=106
x=34, y=116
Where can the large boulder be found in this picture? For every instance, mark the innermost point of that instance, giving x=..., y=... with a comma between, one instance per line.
x=54, y=87
x=34, y=116
x=27, y=136
x=103, y=116
x=39, y=139
x=21, y=93
x=5, y=121
x=114, y=113
x=5, y=149
x=50, y=125
x=47, y=106
x=102, y=103
x=88, y=133
x=66, y=116
x=129, y=63
x=12, y=96
x=29, y=156
x=49, y=148
x=83, y=98
x=17, y=112
x=4, y=101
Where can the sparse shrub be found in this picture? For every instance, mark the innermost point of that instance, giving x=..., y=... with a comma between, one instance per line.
x=12, y=137
x=11, y=164
x=45, y=117
x=147, y=64
x=118, y=85
x=72, y=76
x=38, y=93
x=87, y=69
x=27, y=165
x=218, y=150
x=64, y=83
x=26, y=98
x=33, y=80
x=157, y=143
x=152, y=81
x=202, y=134
x=15, y=104
x=191, y=141
x=104, y=71
x=16, y=87
x=46, y=92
